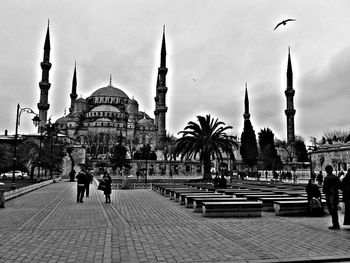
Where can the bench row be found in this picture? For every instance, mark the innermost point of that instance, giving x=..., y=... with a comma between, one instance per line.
x=226, y=205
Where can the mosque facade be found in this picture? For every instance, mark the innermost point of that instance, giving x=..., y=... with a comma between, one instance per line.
x=108, y=116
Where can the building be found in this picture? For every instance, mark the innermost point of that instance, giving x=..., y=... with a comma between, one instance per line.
x=336, y=154
x=108, y=116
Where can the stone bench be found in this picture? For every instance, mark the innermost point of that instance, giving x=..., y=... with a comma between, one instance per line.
x=232, y=190
x=167, y=192
x=255, y=197
x=244, y=194
x=188, y=199
x=269, y=201
x=197, y=202
x=175, y=194
x=183, y=196
x=232, y=209
x=159, y=187
x=291, y=193
x=203, y=186
x=293, y=208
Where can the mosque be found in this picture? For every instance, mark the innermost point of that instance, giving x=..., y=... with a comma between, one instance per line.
x=108, y=116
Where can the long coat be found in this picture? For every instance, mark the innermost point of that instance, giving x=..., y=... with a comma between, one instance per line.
x=312, y=190
x=108, y=181
x=331, y=186
x=346, y=198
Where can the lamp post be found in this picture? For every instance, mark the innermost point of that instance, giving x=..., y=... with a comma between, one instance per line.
x=40, y=144
x=146, y=171
x=311, y=149
x=36, y=121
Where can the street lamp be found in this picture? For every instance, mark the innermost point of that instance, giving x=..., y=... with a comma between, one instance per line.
x=311, y=149
x=40, y=144
x=36, y=121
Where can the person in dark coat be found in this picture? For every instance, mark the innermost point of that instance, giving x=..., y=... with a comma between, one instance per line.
x=81, y=180
x=331, y=185
x=346, y=197
x=108, y=182
x=314, y=196
x=87, y=183
x=217, y=181
x=222, y=182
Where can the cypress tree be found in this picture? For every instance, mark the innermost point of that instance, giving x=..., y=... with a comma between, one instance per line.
x=249, y=148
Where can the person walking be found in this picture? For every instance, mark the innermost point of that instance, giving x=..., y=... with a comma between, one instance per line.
x=314, y=198
x=331, y=185
x=87, y=183
x=346, y=197
x=81, y=180
x=108, y=190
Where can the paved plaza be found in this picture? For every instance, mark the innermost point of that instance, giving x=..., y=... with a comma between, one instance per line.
x=48, y=225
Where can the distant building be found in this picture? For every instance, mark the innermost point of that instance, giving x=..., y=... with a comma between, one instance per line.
x=336, y=154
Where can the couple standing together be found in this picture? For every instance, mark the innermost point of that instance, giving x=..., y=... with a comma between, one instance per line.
x=84, y=180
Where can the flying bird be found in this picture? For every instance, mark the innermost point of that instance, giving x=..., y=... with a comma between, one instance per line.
x=284, y=22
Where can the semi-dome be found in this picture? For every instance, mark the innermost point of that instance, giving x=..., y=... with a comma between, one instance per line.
x=109, y=108
x=145, y=122
x=103, y=120
x=62, y=120
x=109, y=91
x=80, y=100
x=133, y=101
x=142, y=114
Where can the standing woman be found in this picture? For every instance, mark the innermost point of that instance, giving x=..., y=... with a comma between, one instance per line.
x=108, y=190
x=346, y=197
x=314, y=198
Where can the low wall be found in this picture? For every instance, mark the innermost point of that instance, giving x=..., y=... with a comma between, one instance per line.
x=20, y=191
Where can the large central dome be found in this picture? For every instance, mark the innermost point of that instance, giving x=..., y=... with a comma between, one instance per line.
x=109, y=91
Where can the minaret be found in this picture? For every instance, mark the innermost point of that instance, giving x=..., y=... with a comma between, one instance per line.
x=246, y=114
x=156, y=100
x=44, y=84
x=160, y=99
x=290, y=111
x=73, y=95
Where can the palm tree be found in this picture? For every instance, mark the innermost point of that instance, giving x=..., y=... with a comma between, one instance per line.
x=206, y=139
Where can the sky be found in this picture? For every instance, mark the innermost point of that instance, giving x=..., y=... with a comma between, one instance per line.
x=214, y=47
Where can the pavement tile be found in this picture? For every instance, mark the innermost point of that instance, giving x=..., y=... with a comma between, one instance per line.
x=47, y=225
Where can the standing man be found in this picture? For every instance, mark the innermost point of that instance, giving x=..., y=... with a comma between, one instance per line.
x=87, y=182
x=81, y=179
x=331, y=185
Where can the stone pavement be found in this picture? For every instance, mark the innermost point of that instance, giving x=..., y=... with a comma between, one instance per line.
x=47, y=225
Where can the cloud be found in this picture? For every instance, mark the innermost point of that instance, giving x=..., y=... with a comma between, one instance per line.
x=323, y=95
